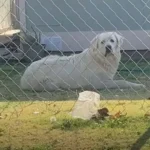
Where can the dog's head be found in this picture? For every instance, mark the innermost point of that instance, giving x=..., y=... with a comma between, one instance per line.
x=107, y=43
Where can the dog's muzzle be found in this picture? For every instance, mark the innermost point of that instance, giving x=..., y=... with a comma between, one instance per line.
x=108, y=50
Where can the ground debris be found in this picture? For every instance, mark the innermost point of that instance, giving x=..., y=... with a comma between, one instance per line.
x=147, y=115
x=104, y=112
x=101, y=114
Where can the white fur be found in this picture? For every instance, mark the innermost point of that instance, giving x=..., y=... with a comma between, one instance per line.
x=90, y=69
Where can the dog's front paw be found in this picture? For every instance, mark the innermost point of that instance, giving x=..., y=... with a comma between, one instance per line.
x=141, y=86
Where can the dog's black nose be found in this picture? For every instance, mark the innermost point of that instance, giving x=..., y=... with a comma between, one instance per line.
x=108, y=47
x=108, y=50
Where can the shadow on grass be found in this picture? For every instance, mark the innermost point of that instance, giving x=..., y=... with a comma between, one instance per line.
x=141, y=141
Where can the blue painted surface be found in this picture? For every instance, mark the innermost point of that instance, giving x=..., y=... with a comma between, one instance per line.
x=87, y=15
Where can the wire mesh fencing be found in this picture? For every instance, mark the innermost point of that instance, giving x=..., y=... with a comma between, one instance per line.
x=54, y=50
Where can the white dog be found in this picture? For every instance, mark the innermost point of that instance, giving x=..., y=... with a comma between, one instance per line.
x=94, y=68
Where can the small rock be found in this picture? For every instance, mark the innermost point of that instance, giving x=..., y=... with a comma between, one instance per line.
x=53, y=119
x=36, y=112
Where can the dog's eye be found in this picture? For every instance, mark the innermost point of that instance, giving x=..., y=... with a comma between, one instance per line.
x=112, y=41
x=102, y=42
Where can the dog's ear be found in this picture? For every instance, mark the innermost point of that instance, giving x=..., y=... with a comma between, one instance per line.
x=94, y=43
x=120, y=39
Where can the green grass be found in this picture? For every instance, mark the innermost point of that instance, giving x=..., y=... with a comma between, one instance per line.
x=21, y=129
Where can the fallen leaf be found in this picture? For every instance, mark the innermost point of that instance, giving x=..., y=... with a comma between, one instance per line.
x=147, y=115
x=117, y=115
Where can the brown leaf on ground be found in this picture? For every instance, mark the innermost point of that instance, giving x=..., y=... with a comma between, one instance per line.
x=147, y=115
x=117, y=115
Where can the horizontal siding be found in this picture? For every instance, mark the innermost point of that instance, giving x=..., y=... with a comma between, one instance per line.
x=87, y=15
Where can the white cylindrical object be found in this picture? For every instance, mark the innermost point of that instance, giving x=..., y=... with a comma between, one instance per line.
x=86, y=105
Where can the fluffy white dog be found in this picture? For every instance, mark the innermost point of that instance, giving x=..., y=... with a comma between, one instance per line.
x=94, y=68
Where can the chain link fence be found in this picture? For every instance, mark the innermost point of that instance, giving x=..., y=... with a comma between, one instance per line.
x=56, y=49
